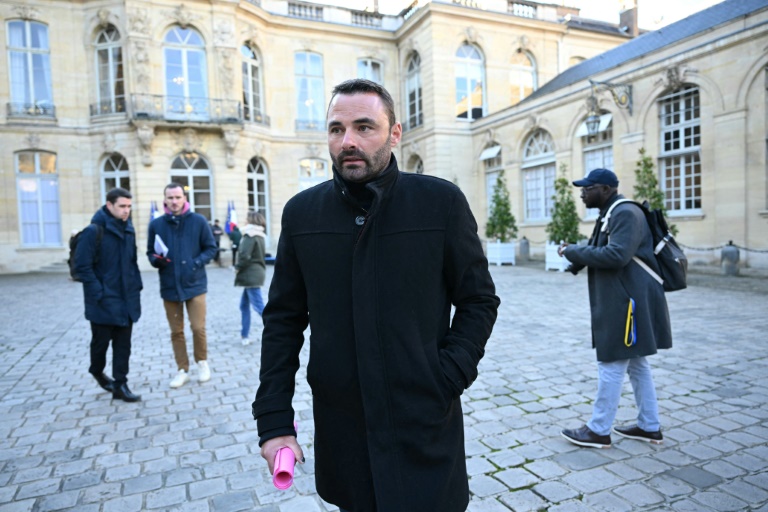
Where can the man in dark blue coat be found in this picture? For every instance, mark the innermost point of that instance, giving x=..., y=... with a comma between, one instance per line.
x=373, y=261
x=180, y=244
x=105, y=262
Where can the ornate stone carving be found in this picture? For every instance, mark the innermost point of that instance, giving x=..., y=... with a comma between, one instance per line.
x=188, y=140
x=490, y=136
x=674, y=77
x=313, y=150
x=103, y=16
x=33, y=141
x=258, y=147
x=146, y=134
x=251, y=36
x=226, y=72
x=140, y=61
x=138, y=21
x=231, y=137
x=223, y=34
x=182, y=16
x=523, y=42
x=27, y=12
x=413, y=149
x=533, y=122
x=109, y=143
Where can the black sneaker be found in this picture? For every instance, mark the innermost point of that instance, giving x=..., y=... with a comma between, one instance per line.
x=585, y=437
x=635, y=432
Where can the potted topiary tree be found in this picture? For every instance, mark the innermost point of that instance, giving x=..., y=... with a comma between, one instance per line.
x=647, y=187
x=564, y=226
x=501, y=228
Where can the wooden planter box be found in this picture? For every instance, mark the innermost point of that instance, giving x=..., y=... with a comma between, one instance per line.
x=500, y=253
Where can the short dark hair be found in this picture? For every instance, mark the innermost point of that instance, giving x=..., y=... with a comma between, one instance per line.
x=116, y=193
x=173, y=184
x=362, y=86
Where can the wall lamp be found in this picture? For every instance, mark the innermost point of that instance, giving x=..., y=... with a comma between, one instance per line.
x=622, y=96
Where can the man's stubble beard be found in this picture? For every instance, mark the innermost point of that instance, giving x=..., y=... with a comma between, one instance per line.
x=356, y=174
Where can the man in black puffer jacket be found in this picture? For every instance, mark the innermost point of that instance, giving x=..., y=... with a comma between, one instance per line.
x=105, y=262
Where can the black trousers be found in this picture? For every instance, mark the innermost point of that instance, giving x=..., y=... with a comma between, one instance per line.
x=121, y=350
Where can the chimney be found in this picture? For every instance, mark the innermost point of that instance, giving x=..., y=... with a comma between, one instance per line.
x=376, y=6
x=628, y=21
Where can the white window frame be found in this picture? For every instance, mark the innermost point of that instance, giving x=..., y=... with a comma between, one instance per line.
x=415, y=114
x=37, y=99
x=253, y=93
x=539, y=173
x=110, y=89
x=680, y=143
x=371, y=69
x=187, y=42
x=310, y=110
x=114, y=167
x=259, y=201
x=312, y=171
x=31, y=189
x=198, y=167
x=518, y=73
x=597, y=152
x=469, y=70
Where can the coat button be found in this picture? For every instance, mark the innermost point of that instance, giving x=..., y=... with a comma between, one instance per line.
x=359, y=220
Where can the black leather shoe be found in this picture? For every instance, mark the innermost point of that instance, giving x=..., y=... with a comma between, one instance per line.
x=585, y=437
x=105, y=382
x=125, y=394
x=635, y=432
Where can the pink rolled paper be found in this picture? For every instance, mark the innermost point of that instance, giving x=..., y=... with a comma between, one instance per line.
x=284, y=462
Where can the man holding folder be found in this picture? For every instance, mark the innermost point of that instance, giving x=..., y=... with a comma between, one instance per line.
x=180, y=244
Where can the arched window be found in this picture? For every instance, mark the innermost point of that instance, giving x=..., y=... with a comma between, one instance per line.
x=114, y=173
x=522, y=76
x=416, y=165
x=597, y=149
x=110, y=86
x=253, y=95
x=191, y=171
x=538, y=176
x=258, y=188
x=370, y=69
x=491, y=159
x=186, y=83
x=37, y=185
x=679, y=163
x=312, y=171
x=310, y=87
x=470, y=71
x=29, y=69
x=415, y=115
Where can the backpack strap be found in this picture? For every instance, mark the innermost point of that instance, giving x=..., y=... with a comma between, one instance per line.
x=607, y=216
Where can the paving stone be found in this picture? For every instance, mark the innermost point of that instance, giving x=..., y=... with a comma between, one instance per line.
x=608, y=502
x=207, y=488
x=555, y=492
x=720, y=501
x=124, y=504
x=639, y=495
x=58, y=501
x=233, y=502
x=592, y=480
x=746, y=492
x=38, y=488
x=142, y=484
x=166, y=497
x=485, y=486
x=695, y=476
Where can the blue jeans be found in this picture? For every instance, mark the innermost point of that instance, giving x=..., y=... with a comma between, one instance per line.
x=610, y=379
x=251, y=297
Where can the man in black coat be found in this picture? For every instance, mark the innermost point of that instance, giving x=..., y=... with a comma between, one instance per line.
x=630, y=319
x=372, y=261
x=105, y=262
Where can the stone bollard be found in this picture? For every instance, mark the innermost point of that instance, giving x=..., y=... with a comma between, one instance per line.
x=525, y=250
x=729, y=259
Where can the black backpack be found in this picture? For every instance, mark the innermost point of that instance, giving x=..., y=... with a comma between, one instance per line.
x=74, y=240
x=670, y=257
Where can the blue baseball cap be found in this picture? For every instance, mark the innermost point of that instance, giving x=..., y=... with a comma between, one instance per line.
x=598, y=177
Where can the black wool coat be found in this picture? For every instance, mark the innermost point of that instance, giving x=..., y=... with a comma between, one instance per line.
x=111, y=281
x=614, y=278
x=387, y=364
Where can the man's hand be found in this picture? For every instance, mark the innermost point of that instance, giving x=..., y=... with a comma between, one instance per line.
x=269, y=450
x=161, y=261
x=561, y=249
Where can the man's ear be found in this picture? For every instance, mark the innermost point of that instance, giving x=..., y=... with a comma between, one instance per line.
x=396, y=134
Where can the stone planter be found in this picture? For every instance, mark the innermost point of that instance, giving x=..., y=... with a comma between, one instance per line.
x=500, y=253
x=552, y=261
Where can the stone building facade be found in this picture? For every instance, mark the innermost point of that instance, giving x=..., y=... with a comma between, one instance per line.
x=228, y=97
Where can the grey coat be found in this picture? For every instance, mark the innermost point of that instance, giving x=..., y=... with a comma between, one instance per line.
x=614, y=278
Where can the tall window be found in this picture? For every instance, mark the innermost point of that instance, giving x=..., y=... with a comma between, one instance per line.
x=491, y=159
x=370, y=69
x=679, y=162
x=253, y=97
x=413, y=92
x=470, y=98
x=29, y=69
x=114, y=173
x=416, y=165
x=598, y=151
x=192, y=172
x=37, y=185
x=110, y=85
x=258, y=188
x=312, y=171
x=539, y=176
x=522, y=76
x=186, y=85
x=310, y=98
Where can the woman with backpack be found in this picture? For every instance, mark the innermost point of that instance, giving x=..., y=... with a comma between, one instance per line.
x=250, y=270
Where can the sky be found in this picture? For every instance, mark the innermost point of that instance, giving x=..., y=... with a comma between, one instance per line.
x=653, y=14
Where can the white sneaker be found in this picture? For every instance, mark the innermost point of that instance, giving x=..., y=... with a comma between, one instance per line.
x=205, y=371
x=246, y=341
x=180, y=379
